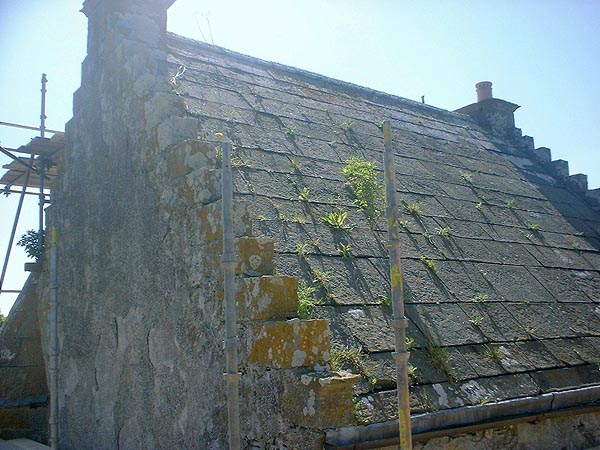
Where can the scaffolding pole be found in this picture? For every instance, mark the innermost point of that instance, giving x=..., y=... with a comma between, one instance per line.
x=400, y=322
x=228, y=262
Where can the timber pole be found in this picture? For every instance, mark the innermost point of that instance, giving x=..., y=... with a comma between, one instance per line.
x=400, y=322
x=53, y=316
x=228, y=262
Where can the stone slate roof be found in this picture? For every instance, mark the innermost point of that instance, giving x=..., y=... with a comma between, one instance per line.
x=510, y=305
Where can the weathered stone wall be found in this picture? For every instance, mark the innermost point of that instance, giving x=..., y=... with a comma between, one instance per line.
x=140, y=286
x=23, y=389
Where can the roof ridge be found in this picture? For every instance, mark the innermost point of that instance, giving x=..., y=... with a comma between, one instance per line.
x=367, y=93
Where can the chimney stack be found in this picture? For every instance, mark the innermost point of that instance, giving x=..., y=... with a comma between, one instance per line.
x=484, y=90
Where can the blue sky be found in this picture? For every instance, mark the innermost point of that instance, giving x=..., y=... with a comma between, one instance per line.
x=540, y=54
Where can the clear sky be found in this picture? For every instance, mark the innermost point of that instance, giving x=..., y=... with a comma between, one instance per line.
x=541, y=54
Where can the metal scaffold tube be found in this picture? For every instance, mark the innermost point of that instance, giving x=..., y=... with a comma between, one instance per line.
x=400, y=322
x=228, y=261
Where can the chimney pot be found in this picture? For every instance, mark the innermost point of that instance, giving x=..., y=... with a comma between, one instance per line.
x=484, y=90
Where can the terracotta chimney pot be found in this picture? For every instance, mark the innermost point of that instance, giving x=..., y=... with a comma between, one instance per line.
x=484, y=90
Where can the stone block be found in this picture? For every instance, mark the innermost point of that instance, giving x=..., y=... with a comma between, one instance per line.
x=543, y=154
x=321, y=400
x=285, y=344
x=209, y=221
x=579, y=181
x=254, y=256
x=561, y=168
x=267, y=297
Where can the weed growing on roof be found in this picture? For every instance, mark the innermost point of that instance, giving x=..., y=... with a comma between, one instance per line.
x=304, y=194
x=289, y=131
x=443, y=231
x=412, y=374
x=413, y=208
x=534, y=226
x=493, y=352
x=441, y=358
x=479, y=205
x=295, y=165
x=296, y=218
x=321, y=278
x=481, y=298
x=344, y=250
x=379, y=124
x=239, y=162
x=428, y=404
x=281, y=217
x=386, y=301
x=576, y=246
x=429, y=263
x=306, y=300
x=302, y=249
x=485, y=400
x=410, y=343
x=346, y=124
x=335, y=219
x=232, y=115
x=404, y=223
x=362, y=177
x=476, y=321
x=219, y=155
x=467, y=177
x=262, y=218
x=511, y=203
x=350, y=359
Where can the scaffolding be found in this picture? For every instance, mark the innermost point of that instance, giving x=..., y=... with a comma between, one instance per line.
x=30, y=175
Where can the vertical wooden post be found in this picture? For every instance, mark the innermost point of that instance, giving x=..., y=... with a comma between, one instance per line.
x=400, y=322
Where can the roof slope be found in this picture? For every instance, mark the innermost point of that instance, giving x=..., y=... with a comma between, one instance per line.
x=501, y=259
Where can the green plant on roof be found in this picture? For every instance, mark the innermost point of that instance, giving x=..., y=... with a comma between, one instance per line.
x=321, y=278
x=534, y=226
x=428, y=404
x=511, y=203
x=335, y=219
x=468, y=177
x=344, y=250
x=493, y=352
x=368, y=193
x=379, y=124
x=297, y=218
x=33, y=242
x=413, y=375
x=306, y=300
x=346, y=124
x=481, y=298
x=429, y=263
x=295, y=165
x=385, y=300
x=232, y=115
x=262, y=218
x=414, y=208
x=404, y=223
x=281, y=217
x=485, y=400
x=443, y=231
x=2, y=319
x=476, y=321
x=304, y=194
x=479, y=205
x=576, y=246
x=289, y=131
x=351, y=359
x=302, y=249
x=441, y=358
x=219, y=155
x=240, y=162
x=410, y=343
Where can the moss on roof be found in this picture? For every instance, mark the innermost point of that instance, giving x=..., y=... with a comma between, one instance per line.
x=501, y=259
